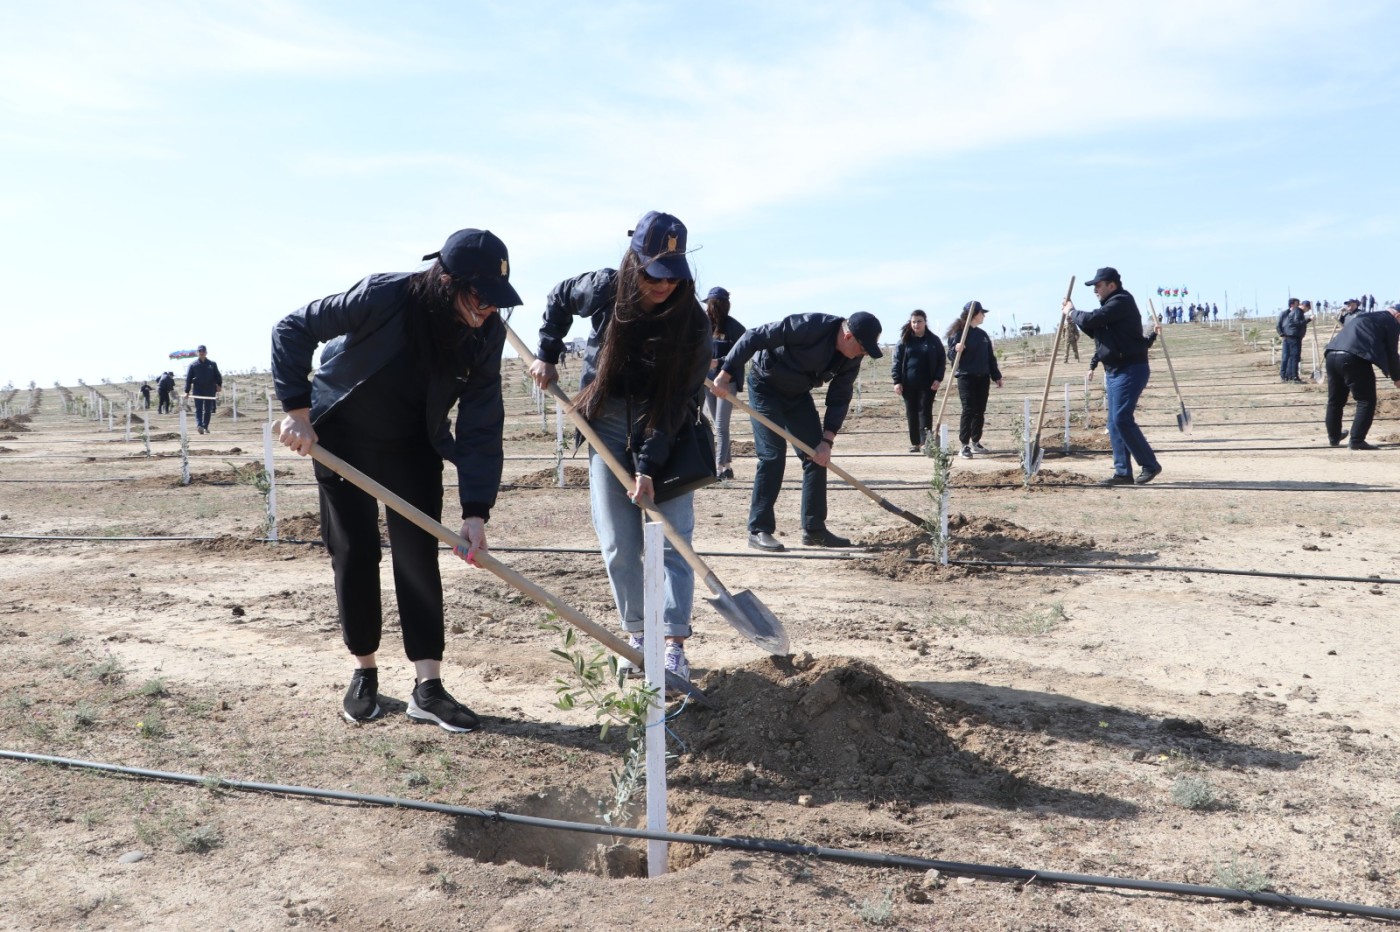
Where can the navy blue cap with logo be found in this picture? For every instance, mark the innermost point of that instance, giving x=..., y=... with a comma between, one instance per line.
x=479, y=258
x=866, y=329
x=1106, y=274
x=659, y=241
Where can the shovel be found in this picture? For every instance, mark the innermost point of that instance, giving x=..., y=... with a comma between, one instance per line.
x=489, y=563
x=1317, y=360
x=1037, y=454
x=880, y=500
x=744, y=611
x=1183, y=419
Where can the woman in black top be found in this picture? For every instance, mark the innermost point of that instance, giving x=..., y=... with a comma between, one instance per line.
x=918, y=369
x=401, y=350
x=977, y=370
x=724, y=330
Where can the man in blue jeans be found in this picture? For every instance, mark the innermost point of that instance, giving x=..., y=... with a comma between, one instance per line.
x=1292, y=326
x=1119, y=344
x=791, y=357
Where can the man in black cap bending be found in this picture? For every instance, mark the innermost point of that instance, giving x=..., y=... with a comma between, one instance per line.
x=791, y=357
x=203, y=376
x=1121, y=346
x=1367, y=338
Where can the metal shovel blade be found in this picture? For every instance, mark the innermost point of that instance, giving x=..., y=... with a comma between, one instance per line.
x=1317, y=376
x=1183, y=421
x=1037, y=460
x=751, y=618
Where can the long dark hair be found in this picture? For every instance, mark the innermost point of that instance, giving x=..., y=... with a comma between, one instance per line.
x=907, y=331
x=434, y=328
x=656, y=348
x=717, y=309
x=955, y=331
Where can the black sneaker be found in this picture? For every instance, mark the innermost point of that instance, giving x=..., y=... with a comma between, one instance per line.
x=726, y=473
x=1116, y=479
x=431, y=702
x=1338, y=442
x=362, y=698
x=1147, y=475
x=823, y=538
x=1361, y=445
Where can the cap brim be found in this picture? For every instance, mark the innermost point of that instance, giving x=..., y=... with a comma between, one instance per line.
x=1094, y=281
x=872, y=349
x=672, y=266
x=497, y=292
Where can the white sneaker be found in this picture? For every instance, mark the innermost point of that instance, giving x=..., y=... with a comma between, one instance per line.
x=966, y=453
x=676, y=662
x=628, y=668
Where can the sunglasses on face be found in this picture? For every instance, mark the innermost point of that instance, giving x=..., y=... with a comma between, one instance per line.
x=650, y=280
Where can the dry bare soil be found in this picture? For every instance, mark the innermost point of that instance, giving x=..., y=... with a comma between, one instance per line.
x=1159, y=722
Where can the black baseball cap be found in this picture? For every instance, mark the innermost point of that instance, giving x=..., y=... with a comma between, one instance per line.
x=974, y=307
x=717, y=292
x=480, y=259
x=201, y=349
x=1106, y=274
x=866, y=329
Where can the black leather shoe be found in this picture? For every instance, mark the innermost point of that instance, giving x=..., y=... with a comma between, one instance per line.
x=1116, y=479
x=823, y=538
x=1338, y=441
x=765, y=541
x=1147, y=475
x=1361, y=445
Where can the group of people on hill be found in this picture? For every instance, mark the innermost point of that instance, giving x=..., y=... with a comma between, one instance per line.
x=402, y=349
x=1193, y=313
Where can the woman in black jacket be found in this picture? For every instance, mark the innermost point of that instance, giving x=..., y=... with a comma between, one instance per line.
x=724, y=330
x=977, y=370
x=643, y=371
x=401, y=350
x=918, y=369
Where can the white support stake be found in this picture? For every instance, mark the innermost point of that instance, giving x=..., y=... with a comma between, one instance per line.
x=559, y=442
x=233, y=412
x=111, y=418
x=654, y=610
x=1067, y=419
x=1030, y=441
x=184, y=449
x=146, y=428
x=943, y=500
x=271, y=482
x=126, y=434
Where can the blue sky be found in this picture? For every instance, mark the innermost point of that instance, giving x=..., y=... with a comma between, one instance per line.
x=179, y=172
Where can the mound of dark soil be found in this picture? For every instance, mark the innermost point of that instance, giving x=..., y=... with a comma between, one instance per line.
x=305, y=526
x=835, y=726
x=16, y=424
x=574, y=477
x=969, y=538
x=1009, y=478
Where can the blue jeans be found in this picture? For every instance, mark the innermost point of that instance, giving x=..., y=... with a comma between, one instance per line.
x=203, y=411
x=1288, y=363
x=798, y=416
x=618, y=524
x=1122, y=388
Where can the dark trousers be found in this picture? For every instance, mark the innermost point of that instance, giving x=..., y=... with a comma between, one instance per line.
x=1289, y=358
x=798, y=416
x=972, y=392
x=203, y=411
x=1349, y=375
x=163, y=403
x=918, y=410
x=350, y=528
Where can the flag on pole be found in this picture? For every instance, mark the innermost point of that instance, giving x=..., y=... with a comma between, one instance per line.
x=184, y=354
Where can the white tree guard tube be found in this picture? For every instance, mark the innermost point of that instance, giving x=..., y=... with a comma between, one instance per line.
x=654, y=569
x=271, y=482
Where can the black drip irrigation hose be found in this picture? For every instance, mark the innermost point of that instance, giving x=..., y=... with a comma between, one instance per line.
x=1153, y=568
x=767, y=845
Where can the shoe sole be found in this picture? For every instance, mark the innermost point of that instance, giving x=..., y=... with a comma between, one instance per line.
x=778, y=549
x=424, y=717
x=373, y=715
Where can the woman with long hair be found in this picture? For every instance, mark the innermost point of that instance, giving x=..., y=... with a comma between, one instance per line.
x=724, y=330
x=643, y=369
x=918, y=369
x=401, y=350
x=977, y=370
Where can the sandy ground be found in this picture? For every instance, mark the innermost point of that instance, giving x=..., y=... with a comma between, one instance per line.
x=1177, y=725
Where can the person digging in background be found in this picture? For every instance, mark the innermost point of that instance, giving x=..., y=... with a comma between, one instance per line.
x=1119, y=344
x=724, y=330
x=918, y=369
x=1367, y=338
x=203, y=376
x=1292, y=326
x=643, y=370
x=165, y=387
x=791, y=357
x=977, y=370
x=401, y=350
